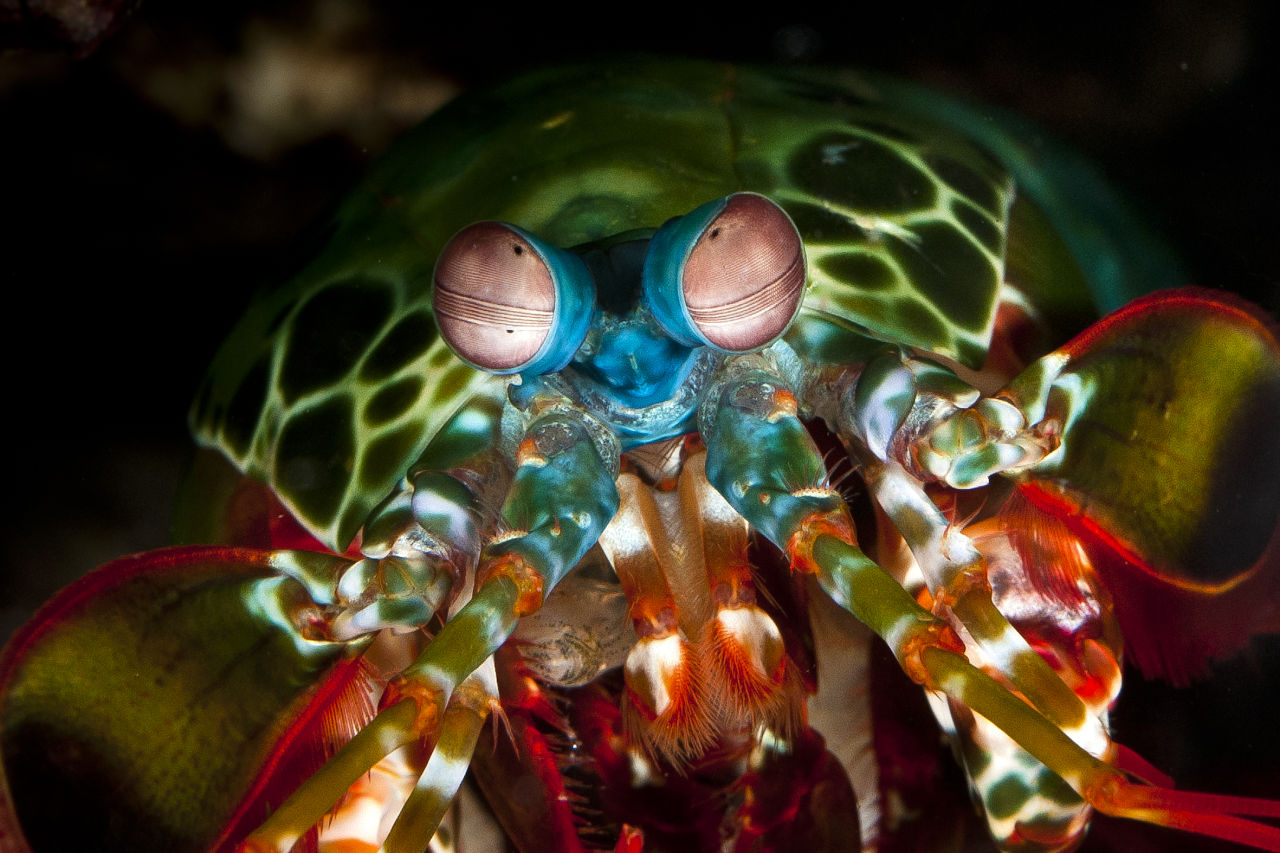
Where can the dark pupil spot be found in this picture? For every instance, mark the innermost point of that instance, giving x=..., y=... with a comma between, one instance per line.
x=511, y=331
x=518, y=249
x=715, y=232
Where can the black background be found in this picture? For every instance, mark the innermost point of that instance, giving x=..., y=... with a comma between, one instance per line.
x=140, y=209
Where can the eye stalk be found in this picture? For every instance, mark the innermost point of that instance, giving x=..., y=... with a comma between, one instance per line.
x=507, y=302
x=728, y=275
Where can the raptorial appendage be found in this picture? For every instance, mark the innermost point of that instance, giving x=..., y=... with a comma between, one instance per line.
x=1062, y=655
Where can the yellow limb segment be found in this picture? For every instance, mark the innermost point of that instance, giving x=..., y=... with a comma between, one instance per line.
x=955, y=573
x=423, y=692
x=918, y=639
x=445, y=770
x=562, y=496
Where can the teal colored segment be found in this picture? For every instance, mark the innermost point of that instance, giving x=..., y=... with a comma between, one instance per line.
x=883, y=398
x=562, y=501
x=633, y=438
x=757, y=459
x=473, y=431
x=446, y=509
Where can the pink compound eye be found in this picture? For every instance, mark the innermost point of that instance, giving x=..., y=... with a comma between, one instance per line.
x=743, y=280
x=495, y=297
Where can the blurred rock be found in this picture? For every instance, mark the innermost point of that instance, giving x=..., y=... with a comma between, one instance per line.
x=77, y=26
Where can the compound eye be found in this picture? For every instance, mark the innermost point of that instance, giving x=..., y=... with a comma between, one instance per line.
x=729, y=275
x=744, y=278
x=506, y=302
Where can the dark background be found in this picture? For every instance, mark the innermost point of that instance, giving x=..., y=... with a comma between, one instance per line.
x=155, y=168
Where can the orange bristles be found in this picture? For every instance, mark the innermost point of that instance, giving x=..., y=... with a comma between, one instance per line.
x=664, y=709
x=747, y=666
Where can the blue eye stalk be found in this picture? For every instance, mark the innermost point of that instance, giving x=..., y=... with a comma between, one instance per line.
x=630, y=316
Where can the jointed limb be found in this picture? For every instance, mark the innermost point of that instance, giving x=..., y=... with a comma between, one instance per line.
x=762, y=460
x=562, y=496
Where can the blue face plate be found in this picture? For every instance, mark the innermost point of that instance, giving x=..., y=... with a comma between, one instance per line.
x=634, y=361
x=628, y=370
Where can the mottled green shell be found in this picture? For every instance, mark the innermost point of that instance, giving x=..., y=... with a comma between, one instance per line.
x=333, y=384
